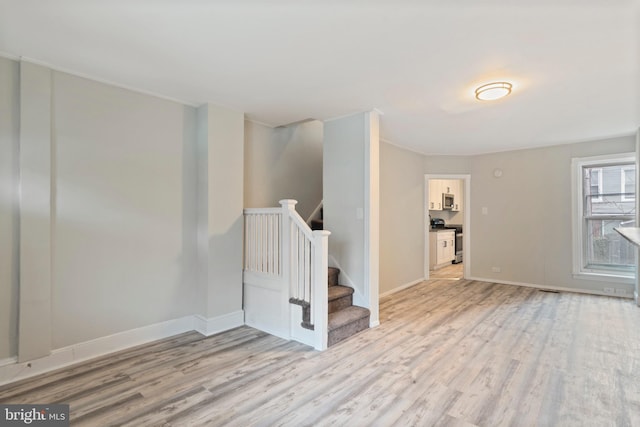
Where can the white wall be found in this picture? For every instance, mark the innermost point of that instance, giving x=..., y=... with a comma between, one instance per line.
x=283, y=163
x=37, y=209
x=112, y=177
x=124, y=246
x=343, y=185
x=9, y=128
x=222, y=194
x=447, y=164
x=123, y=219
x=401, y=217
x=351, y=188
x=527, y=231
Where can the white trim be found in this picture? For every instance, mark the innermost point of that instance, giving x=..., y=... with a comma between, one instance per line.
x=637, y=216
x=258, y=122
x=601, y=277
x=8, y=361
x=623, y=185
x=344, y=116
x=358, y=298
x=314, y=213
x=372, y=216
x=577, y=208
x=214, y=325
x=8, y=55
x=75, y=353
x=11, y=370
x=554, y=288
x=402, y=287
x=466, y=226
x=600, y=186
x=109, y=82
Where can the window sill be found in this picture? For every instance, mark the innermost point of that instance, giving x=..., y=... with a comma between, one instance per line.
x=605, y=277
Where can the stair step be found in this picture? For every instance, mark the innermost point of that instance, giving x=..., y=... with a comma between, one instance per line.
x=338, y=291
x=333, y=273
x=317, y=224
x=347, y=322
x=340, y=297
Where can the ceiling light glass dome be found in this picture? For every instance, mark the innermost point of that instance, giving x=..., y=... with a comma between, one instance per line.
x=492, y=91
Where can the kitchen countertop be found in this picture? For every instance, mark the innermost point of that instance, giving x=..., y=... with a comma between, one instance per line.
x=632, y=234
x=435, y=230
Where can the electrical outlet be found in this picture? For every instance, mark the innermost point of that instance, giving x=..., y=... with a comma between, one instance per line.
x=621, y=292
x=609, y=290
x=496, y=269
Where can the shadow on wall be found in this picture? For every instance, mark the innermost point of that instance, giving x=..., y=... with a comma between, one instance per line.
x=283, y=163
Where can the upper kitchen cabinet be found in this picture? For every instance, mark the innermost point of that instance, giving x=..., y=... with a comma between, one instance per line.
x=456, y=190
x=435, y=194
x=438, y=187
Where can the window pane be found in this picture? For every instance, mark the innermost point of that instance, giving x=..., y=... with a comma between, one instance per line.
x=629, y=183
x=604, y=194
x=605, y=247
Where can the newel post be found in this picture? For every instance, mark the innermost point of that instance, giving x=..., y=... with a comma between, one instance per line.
x=320, y=288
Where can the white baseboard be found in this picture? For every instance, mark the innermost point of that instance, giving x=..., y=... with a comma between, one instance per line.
x=11, y=370
x=401, y=287
x=8, y=361
x=358, y=297
x=214, y=325
x=547, y=287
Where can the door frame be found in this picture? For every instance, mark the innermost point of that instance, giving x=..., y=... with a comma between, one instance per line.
x=466, y=224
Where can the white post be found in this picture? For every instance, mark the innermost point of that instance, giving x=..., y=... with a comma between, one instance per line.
x=285, y=260
x=319, y=298
x=636, y=290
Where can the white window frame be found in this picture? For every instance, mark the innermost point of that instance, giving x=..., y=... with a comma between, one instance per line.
x=623, y=186
x=580, y=271
x=599, y=198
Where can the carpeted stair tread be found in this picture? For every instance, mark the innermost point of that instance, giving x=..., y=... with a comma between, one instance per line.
x=338, y=291
x=346, y=316
x=333, y=273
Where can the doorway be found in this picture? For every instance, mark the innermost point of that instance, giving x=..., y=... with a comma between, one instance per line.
x=437, y=204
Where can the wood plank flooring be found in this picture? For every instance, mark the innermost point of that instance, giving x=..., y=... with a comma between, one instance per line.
x=447, y=353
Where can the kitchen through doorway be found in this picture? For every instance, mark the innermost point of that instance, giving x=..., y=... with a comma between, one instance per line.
x=447, y=233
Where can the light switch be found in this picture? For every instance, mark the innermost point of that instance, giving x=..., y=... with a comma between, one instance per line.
x=359, y=213
x=485, y=210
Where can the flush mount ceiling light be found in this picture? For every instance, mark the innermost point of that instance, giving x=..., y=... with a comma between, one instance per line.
x=492, y=91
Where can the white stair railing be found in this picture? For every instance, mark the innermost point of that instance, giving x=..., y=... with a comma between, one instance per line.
x=283, y=254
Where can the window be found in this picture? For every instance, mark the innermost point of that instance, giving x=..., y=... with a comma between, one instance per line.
x=604, y=198
x=628, y=183
x=595, y=182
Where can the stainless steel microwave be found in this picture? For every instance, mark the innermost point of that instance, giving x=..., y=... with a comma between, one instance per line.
x=447, y=201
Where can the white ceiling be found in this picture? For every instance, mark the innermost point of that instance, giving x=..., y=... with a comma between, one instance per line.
x=575, y=67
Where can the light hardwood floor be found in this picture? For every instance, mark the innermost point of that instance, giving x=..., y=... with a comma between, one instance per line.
x=447, y=352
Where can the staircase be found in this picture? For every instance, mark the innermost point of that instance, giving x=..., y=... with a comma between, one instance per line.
x=318, y=223
x=345, y=319
x=286, y=262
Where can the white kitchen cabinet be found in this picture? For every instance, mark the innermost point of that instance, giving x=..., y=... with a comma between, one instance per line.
x=435, y=194
x=441, y=248
x=449, y=186
x=456, y=190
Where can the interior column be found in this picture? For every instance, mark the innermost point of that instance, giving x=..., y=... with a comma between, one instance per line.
x=34, y=328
